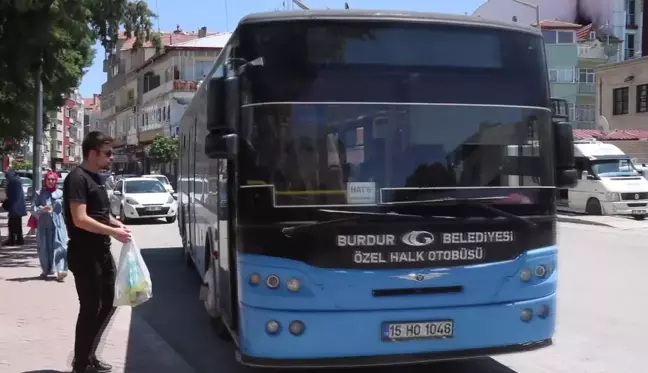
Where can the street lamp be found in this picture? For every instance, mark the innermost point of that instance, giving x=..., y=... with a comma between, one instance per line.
x=535, y=7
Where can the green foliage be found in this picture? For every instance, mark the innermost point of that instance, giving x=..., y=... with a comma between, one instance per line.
x=164, y=149
x=19, y=164
x=57, y=36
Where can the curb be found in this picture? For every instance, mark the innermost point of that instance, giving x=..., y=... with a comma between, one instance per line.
x=575, y=220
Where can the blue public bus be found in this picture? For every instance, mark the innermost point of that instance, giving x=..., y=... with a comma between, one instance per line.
x=349, y=195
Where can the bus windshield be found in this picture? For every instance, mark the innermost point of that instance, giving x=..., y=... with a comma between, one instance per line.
x=405, y=151
x=316, y=61
x=339, y=104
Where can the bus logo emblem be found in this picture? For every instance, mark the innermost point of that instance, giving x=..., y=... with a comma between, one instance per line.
x=420, y=277
x=418, y=238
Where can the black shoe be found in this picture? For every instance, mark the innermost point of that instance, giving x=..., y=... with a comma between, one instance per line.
x=99, y=366
x=95, y=366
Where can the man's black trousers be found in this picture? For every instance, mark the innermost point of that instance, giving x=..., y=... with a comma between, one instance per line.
x=94, y=276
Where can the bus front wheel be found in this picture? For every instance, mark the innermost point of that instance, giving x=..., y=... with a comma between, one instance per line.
x=211, y=298
x=639, y=217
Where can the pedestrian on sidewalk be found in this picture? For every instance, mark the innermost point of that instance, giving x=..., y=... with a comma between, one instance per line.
x=16, y=206
x=52, y=235
x=90, y=226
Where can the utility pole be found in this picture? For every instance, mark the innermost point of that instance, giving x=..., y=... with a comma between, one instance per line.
x=38, y=133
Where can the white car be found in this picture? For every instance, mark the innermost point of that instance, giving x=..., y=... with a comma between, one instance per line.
x=142, y=198
x=163, y=179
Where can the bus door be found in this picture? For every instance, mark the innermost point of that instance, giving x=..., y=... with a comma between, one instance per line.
x=226, y=276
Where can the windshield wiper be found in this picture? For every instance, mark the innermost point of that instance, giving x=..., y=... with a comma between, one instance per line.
x=357, y=216
x=474, y=202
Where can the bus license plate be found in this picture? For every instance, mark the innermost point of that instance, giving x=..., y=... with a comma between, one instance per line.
x=639, y=212
x=418, y=330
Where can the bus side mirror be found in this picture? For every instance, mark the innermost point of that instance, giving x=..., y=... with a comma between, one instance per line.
x=215, y=104
x=566, y=174
x=218, y=145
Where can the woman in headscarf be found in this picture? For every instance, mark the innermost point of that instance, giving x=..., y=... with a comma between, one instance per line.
x=51, y=234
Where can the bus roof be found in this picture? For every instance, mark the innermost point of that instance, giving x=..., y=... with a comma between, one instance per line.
x=382, y=15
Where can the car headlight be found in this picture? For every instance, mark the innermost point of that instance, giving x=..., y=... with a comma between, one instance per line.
x=170, y=200
x=612, y=197
x=131, y=201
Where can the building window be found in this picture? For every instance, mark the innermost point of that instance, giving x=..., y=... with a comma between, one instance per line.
x=562, y=75
x=586, y=76
x=631, y=19
x=584, y=113
x=620, y=101
x=642, y=98
x=629, y=46
x=559, y=37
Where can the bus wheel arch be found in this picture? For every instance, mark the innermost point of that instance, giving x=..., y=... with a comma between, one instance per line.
x=593, y=207
x=211, y=301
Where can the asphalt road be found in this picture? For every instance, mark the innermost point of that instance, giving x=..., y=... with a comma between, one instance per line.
x=601, y=325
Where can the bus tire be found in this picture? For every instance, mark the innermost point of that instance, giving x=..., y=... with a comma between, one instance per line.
x=639, y=217
x=211, y=304
x=171, y=219
x=185, y=253
x=593, y=207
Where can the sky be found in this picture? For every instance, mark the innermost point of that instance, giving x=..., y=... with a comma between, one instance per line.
x=223, y=15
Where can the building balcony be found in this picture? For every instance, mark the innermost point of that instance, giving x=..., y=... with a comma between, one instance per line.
x=586, y=88
x=128, y=104
x=170, y=86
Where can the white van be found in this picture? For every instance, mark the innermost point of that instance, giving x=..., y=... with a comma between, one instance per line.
x=609, y=183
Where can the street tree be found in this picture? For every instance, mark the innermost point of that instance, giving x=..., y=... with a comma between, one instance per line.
x=57, y=37
x=21, y=164
x=164, y=149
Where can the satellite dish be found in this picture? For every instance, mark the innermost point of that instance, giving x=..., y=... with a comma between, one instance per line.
x=602, y=124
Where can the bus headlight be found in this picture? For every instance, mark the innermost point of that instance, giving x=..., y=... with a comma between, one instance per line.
x=543, y=312
x=526, y=315
x=525, y=275
x=255, y=279
x=540, y=271
x=273, y=281
x=293, y=285
x=272, y=327
x=296, y=327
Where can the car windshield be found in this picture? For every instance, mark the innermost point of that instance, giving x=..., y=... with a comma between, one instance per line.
x=26, y=181
x=143, y=186
x=161, y=179
x=614, y=167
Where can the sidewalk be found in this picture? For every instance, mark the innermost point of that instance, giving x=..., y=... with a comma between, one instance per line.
x=37, y=320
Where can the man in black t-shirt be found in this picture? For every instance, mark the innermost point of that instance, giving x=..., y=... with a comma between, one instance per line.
x=90, y=226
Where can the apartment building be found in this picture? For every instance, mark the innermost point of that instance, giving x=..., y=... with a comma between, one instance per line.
x=623, y=94
x=622, y=19
x=148, y=90
x=65, y=134
x=91, y=114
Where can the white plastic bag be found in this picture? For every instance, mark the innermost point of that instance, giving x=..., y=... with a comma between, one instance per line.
x=133, y=284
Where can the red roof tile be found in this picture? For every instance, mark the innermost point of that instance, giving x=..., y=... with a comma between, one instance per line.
x=583, y=33
x=583, y=134
x=631, y=134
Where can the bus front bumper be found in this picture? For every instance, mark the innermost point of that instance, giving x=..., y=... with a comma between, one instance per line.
x=354, y=338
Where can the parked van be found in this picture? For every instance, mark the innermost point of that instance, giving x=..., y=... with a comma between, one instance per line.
x=609, y=183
